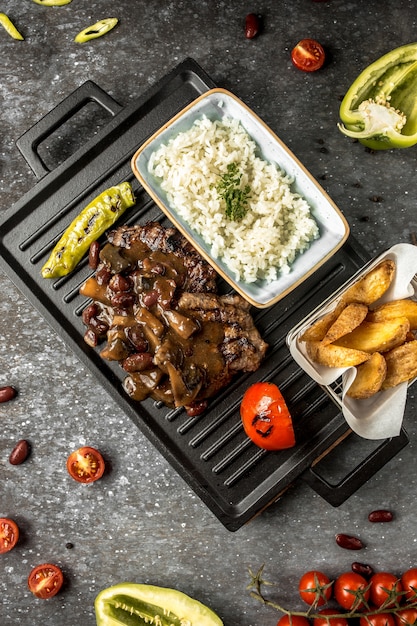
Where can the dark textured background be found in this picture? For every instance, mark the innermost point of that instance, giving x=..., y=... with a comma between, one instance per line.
x=141, y=522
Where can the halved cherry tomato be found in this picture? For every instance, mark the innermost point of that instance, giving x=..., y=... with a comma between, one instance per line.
x=85, y=465
x=409, y=584
x=330, y=621
x=315, y=588
x=266, y=418
x=294, y=620
x=385, y=589
x=406, y=617
x=45, y=580
x=308, y=55
x=377, y=619
x=9, y=534
x=350, y=590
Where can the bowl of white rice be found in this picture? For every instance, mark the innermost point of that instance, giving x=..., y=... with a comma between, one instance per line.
x=245, y=202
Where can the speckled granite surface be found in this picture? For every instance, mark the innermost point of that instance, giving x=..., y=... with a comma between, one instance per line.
x=141, y=522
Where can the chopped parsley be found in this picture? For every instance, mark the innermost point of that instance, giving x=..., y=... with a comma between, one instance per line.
x=236, y=199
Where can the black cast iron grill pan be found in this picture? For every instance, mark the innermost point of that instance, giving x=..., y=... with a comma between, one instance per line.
x=233, y=477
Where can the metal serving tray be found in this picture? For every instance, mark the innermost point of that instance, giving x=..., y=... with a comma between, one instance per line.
x=234, y=478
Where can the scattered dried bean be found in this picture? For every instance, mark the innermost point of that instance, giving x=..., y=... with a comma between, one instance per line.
x=7, y=393
x=380, y=515
x=252, y=25
x=363, y=569
x=20, y=452
x=348, y=542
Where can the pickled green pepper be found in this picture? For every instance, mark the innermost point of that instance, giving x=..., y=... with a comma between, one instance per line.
x=380, y=107
x=130, y=604
x=92, y=222
x=52, y=3
x=9, y=27
x=96, y=30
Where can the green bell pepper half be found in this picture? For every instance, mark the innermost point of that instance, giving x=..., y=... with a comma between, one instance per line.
x=92, y=222
x=380, y=107
x=131, y=604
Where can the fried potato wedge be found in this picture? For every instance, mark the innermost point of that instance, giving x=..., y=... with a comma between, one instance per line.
x=369, y=378
x=372, y=285
x=396, y=308
x=335, y=356
x=319, y=328
x=401, y=364
x=349, y=319
x=376, y=336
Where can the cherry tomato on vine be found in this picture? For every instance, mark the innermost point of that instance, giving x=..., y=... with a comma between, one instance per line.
x=85, y=465
x=385, y=589
x=315, y=588
x=45, y=580
x=295, y=620
x=308, y=55
x=409, y=584
x=9, y=534
x=377, y=619
x=266, y=418
x=350, y=589
x=406, y=617
x=330, y=621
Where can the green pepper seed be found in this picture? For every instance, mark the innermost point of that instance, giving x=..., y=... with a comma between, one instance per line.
x=96, y=30
x=9, y=27
x=92, y=222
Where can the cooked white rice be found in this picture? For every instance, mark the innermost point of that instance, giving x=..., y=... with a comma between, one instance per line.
x=278, y=224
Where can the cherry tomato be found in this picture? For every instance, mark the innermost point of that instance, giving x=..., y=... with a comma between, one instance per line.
x=266, y=418
x=308, y=55
x=409, y=584
x=377, y=619
x=45, y=580
x=315, y=588
x=385, y=589
x=406, y=617
x=9, y=534
x=330, y=621
x=294, y=620
x=350, y=589
x=85, y=465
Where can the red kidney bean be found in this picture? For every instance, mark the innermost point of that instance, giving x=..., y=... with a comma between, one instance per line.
x=122, y=300
x=7, y=393
x=89, y=312
x=348, y=542
x=380, y=515
x=20, y=452
x=137, y=362
x=363, y=569
x=119, y=283
x=93, y=255
x=103, y=275
x=150, y=298
x=197, y=408
x=252, y=25
x=91, y=338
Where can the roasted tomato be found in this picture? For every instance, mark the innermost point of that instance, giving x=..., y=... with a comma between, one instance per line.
x=85, y=465
x=315, y=588
x=308, y=55
x=9, y=534
x=385, y=589
x=294, y=620
x=266, y=418
x=45, y=580
x=330, y=621
x=409, y=584
x=350, y=590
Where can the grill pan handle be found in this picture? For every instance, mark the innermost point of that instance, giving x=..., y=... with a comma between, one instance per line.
x=336, y=494
x=87, y=92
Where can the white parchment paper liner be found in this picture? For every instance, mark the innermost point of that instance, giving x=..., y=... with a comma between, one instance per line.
x=381, y=416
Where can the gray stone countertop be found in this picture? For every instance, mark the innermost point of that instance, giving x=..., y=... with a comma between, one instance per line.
x=141, y=522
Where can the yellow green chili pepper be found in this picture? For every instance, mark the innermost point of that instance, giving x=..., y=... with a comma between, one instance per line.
x=9, y=27
x=133, y=604
x=96, y=30
x=380, y=107
x=92, y=222
x=52, y=3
